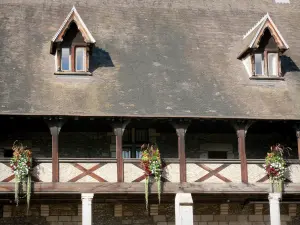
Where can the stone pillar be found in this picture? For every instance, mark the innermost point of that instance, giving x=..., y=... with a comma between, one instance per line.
x=86, y=199
x=184, y=209
x=274, y=208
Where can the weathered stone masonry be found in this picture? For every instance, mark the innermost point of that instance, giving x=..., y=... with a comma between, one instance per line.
x=120, y=214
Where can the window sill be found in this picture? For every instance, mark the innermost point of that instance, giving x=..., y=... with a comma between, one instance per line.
x=74, y=73
x=266, y=78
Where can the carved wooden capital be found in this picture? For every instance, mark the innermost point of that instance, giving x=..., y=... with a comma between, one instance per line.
x=298, y=133
x=180, y=128
x=241, y=133
x=242, y=127
x=119, y=127
x=55, y=126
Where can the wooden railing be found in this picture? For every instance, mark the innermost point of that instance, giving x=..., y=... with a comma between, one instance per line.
x=105, y=170
x=213, y=171
x=256, y=172
x=133, y=171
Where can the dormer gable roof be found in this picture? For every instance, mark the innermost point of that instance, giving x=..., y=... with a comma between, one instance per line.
x=252, y=38
x=73, y=16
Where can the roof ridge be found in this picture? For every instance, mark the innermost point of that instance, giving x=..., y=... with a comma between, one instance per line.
x=256, y=25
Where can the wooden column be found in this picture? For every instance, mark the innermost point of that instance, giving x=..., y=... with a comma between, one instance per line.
x=181, y=131
x=118, y=131
x=55, y=127
x=241, y=134
x=298, y=140
x=241, y=130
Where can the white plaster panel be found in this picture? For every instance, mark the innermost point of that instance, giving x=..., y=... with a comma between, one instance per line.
x=255, y=173
x=213, y=179
x=131, y=172
x=192, y=172
x=88, y=165
x=213, y=166
x=67, y=171
x=171, y=172
x=108, y=172
x=232, y=172
x=87, y=178
x=293, y=173
x=43, y=172
x=5, y=171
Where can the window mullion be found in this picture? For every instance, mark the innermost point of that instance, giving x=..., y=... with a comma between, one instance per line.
x=73, y=58
x=59, y=67
x=279, y=65
x=266, y=63
x=253, y=64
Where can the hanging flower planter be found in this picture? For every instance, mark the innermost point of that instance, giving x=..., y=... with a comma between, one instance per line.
x=21, y=164
x=151, y=163
x=276, y=167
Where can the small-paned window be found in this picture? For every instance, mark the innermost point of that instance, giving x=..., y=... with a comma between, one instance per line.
x=273, y=64
x=80, y=59
x=138, y=154
x=259, y=64
x=126, y=153
x=65, y=59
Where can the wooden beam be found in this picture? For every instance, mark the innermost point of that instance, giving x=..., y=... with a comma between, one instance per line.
x=119, y=129
x=241, y=130
x=55, y=127
x=181, y=129
x=139, y=188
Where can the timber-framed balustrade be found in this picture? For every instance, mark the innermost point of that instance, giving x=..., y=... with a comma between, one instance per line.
x=181, y=173
x=100, y=176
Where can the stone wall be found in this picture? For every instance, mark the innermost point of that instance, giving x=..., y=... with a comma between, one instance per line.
x=120, y=214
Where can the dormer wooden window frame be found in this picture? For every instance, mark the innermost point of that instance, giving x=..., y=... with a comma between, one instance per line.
x=57, y=43
x=266, y=72
x=73, y=60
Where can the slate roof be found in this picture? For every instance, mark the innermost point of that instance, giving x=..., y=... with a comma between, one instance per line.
x=153, y=58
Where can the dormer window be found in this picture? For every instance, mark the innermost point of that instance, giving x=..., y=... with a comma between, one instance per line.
x=72, y=45
x=265, y=45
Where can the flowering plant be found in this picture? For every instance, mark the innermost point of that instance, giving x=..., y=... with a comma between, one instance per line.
x=275, y=165
x=21, y=164
x=151, y=163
